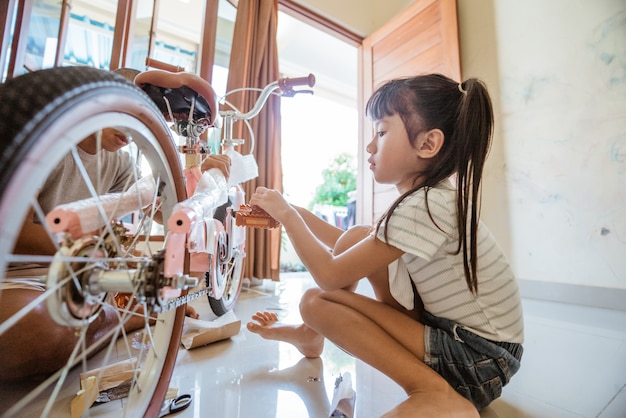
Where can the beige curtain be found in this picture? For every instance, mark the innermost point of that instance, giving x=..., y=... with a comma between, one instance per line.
x=254, y=63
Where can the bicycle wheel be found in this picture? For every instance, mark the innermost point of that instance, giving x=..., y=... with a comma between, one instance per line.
x=226, y=274
x=44, y=116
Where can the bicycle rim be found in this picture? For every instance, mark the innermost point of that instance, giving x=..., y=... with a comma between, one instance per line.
x=81, y=102
x=226, y=277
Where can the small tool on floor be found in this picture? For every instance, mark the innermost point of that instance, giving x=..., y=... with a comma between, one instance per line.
x=177, y=404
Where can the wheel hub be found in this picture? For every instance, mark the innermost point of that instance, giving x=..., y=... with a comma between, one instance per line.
x=72, y=303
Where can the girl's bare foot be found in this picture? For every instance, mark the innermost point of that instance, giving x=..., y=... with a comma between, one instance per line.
x=434, y=404
x=307, y=341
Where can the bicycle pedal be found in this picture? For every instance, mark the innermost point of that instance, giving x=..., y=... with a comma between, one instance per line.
x=255, y=217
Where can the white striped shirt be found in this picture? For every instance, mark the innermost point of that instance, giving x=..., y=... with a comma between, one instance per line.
x=495, y=312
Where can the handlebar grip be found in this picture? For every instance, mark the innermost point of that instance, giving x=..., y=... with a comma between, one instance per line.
x=287, y=83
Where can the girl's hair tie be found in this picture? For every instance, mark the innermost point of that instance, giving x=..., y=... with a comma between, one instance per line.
x=461, y=88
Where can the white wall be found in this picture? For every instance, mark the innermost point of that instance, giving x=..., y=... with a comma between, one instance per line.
x=557, y=185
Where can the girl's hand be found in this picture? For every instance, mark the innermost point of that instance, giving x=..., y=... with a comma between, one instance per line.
x=273, y=202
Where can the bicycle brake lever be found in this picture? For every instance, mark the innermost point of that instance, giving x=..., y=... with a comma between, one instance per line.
x=292, y=92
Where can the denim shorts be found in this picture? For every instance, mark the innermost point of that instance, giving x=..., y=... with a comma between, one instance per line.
x=475, y=367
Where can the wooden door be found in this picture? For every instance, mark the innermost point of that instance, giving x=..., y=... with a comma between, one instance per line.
x=421, y=39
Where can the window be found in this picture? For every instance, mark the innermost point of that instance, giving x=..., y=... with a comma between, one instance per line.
x=43, y=33
x=90, y=34
x=178, y=33
x=226, y=14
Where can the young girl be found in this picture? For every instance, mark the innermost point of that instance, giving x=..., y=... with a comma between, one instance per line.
x=447, y=324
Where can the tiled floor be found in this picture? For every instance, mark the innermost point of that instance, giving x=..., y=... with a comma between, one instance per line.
x=574, y=365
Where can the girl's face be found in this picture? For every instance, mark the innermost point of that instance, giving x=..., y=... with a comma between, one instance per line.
x=393, y=158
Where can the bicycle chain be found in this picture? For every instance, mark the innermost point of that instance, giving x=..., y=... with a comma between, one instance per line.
x=181, y=300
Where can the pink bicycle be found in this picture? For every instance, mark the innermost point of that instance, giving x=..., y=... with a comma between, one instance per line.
x=168, y=227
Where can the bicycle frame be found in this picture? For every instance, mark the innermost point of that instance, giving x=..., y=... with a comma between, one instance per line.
x=192, y=227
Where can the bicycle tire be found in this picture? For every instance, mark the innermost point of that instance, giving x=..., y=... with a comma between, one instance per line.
x=233, y=283
x=43, y=116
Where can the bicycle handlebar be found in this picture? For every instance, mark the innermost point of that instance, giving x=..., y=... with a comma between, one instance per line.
x=285, y=85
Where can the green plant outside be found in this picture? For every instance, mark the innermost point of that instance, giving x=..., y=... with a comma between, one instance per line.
x=339, y=178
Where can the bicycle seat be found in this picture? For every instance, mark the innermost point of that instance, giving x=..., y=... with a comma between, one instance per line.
x=180, y=90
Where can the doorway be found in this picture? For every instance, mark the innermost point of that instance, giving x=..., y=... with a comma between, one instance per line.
x=319, y=127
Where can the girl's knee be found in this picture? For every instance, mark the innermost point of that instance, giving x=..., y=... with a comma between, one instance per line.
x=309, y=303
x=309, y=296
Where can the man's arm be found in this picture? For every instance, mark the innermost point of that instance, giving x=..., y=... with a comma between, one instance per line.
x=217, y=161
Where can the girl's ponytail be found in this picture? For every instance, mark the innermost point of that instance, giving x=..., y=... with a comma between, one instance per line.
x=472, y=136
